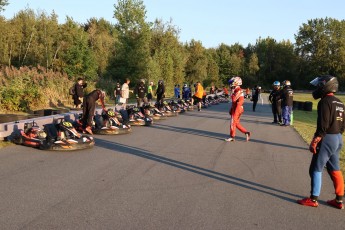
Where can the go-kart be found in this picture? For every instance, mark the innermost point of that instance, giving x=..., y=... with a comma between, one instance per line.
x=60, y=135
x=167, y=110
x=108, y=124
x=154, y=113
x=138, y=117
x=175, y=106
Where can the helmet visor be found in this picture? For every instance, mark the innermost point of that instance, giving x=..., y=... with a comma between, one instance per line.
x=315, y=82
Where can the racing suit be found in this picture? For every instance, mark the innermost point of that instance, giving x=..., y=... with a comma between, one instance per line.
x=89, y=106
x=326, y=145
x=236, y=111
x=274, y=98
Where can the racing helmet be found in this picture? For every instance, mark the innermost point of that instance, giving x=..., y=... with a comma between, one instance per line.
x=111, y=113
x=286, y=83
x=160, y=82
x=325, y=84
x=276, y=85
x=235, y=81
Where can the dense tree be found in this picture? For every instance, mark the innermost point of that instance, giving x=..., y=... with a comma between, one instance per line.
x=102, y=37
x=197, y=63
x=168, y=57
x=77, y=58
x=321, y=45
x=3, y=3
x=133, y=53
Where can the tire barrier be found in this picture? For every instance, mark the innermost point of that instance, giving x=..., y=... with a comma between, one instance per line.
x=308, y=106
x=303, y=105
x=300, y=105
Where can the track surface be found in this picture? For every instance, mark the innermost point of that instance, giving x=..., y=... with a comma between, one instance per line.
x=177, y=174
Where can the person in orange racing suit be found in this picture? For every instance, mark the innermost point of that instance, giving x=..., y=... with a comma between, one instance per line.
x=236, y=109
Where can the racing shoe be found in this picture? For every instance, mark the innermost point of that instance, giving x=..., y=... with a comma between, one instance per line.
x=336, y=204
x=89, y=130
x=247, y=136
x=230, y=139
x=308, y=202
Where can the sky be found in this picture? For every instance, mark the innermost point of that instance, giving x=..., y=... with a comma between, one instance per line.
x=211, y=22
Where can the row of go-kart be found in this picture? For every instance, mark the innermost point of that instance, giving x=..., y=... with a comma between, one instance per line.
x=63, y=135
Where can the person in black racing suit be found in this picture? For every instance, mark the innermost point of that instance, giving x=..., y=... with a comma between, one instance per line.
x=89, y=106
x=327, y=141
x=275, y=100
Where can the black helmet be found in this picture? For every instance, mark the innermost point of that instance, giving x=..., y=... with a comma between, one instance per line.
x=325, y=84
x=160, y=82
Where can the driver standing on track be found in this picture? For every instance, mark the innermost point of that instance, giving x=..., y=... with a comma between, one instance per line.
x=236, y=109
x=327, y=141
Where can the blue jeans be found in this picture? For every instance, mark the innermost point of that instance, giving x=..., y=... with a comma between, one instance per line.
x=286, y=112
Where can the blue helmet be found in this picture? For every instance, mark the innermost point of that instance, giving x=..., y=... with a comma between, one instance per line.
x=276, y=83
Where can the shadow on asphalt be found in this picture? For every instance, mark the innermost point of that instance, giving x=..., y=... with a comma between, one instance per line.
x=225, y=118
x=198, y=170
x=218, y=136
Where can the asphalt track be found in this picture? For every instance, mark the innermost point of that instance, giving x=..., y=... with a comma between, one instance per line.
x=177, y=174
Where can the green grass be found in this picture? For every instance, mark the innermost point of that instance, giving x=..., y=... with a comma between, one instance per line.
x=305, y=122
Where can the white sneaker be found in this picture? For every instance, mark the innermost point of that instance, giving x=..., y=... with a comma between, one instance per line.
x=230, y=139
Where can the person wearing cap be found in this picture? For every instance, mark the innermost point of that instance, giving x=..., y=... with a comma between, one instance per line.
x=327, y=142
x=89, y=107
x=117, y=92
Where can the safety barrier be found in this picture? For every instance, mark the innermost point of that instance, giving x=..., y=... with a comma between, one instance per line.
x=303, y=105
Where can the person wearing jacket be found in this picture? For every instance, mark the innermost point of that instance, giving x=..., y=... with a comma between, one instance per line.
x=287, y=102
x=185, y=92
x=275, y=100
x=140, y=93
x=236, y=109
x=160, y=93
x=117, y=93
x=256, y=96
x=327, y=141
x=79, y=92
x=89, y=107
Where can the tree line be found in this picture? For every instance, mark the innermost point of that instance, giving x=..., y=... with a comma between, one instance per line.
x=104, y=52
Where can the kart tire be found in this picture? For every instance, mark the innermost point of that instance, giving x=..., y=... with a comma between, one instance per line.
x=112, y=131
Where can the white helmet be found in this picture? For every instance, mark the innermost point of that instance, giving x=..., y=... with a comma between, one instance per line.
x=235, y=81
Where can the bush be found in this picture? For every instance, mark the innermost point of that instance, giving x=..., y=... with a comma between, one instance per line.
x=27, y=88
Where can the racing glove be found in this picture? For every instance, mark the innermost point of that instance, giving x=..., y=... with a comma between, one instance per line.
x=313, y=147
